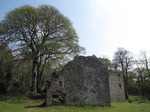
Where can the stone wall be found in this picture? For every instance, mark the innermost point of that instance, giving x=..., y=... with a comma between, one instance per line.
x=83, y=81
x=116, y=86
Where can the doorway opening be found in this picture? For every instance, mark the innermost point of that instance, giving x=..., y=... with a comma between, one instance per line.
x=58, y=98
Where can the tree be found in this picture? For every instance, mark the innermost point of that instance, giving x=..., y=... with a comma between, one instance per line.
x=21, y=80
x=39, y=34
x=6, y=63
x=143, y=75
x=106, y=62
x=132, y=84
x=123, y=58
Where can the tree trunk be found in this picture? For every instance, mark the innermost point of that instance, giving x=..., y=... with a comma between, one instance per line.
x=126, y=91
x=38, y=79
x=40, y=75
x=126, y=82
x=125, y=87
x=34, y=77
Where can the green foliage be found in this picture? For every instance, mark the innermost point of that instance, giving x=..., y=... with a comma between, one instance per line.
x=6, y=65
x=39, y=35
x=106, y=62
x=138, y=87
x=132, y=85
x=134, y=98
x=41, y=30
x=138, y=99
x=35, y=95
x=13, y=98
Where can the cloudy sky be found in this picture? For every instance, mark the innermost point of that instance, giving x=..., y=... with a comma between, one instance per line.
x=102, y=25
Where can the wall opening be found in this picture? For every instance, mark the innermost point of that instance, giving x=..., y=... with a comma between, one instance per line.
x=58, y=98
x=120, y=85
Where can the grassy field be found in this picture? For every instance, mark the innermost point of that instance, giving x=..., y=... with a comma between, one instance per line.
x=28, y=105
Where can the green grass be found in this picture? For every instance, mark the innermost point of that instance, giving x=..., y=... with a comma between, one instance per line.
x=28, y=105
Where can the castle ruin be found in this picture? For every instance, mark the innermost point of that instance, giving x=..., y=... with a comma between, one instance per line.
x=83, y=81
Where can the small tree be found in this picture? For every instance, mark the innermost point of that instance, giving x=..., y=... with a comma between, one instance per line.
x=39, y=34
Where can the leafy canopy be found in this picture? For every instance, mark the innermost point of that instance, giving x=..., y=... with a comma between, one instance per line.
x=36, y=32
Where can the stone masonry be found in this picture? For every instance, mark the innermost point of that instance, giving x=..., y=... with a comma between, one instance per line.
x=83, y=81
x=116, y=86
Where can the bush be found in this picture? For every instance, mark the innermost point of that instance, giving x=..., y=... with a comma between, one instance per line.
x=35, y=95
x=13, y=97
x=137, y=99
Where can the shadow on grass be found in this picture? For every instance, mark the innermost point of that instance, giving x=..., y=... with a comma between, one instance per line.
x=32, y=106
x=36, y=106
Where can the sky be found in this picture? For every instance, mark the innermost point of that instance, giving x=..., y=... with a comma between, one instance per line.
x=102, y=25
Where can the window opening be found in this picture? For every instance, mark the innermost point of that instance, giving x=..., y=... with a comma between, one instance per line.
x=120, y=85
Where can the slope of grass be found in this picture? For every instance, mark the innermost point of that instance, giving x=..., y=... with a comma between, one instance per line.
x=28, y=105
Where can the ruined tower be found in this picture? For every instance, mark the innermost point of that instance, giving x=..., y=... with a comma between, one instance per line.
x=116, y=85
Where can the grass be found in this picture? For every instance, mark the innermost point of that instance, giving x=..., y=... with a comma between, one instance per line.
x=23, y=104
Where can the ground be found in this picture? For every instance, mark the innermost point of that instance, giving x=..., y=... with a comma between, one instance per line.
x=28, y=105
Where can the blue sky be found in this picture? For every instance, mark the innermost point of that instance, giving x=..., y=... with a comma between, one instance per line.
x=102, y=25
